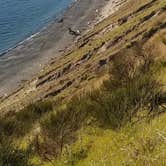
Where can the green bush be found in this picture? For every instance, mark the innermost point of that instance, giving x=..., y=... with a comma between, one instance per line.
x=108, y=108
x=10, y=156
x=20, y=123
x=58, y=129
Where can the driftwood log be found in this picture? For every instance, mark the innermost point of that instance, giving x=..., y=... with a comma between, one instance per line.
x=158, y=101
x=74, y=33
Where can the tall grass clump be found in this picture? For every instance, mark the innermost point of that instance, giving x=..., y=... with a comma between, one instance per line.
x=59, y=129
x=15, y=125
x=11, y=156
x=19, y=123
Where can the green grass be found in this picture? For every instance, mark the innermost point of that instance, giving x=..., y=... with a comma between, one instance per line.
x=111, y=125
x=97, y=127
x=119, y=123
x=140, y=144
x=11, y=156
x=18, y=124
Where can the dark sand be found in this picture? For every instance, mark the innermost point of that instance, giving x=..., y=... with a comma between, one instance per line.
x=28, y=58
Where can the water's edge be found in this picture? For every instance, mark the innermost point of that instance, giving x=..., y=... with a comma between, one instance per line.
x=39, y=31
x=28, y=58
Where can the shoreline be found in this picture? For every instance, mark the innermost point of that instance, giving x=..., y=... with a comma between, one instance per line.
x=37, y=32
x=27, y=59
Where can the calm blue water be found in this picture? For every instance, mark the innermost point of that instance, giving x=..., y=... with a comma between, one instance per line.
x=21, y=18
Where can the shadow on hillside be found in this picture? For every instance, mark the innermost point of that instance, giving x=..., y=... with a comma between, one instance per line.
x=17, y=124
x=132, y=88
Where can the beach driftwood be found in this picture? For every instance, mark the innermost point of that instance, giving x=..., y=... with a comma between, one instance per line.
x=74, y=33
x=159, y=100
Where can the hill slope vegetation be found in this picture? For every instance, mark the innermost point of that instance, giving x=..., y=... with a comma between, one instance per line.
x=102, y=103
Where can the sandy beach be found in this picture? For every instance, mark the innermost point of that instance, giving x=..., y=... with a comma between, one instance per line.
x=28, y=58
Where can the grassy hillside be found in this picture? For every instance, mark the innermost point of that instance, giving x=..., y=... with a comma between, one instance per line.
x=102, y=103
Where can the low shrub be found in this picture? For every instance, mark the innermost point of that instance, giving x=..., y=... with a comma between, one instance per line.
x=10, y=156
x=20, y=123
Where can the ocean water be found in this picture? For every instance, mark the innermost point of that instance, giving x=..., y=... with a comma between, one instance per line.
x=19, y=19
